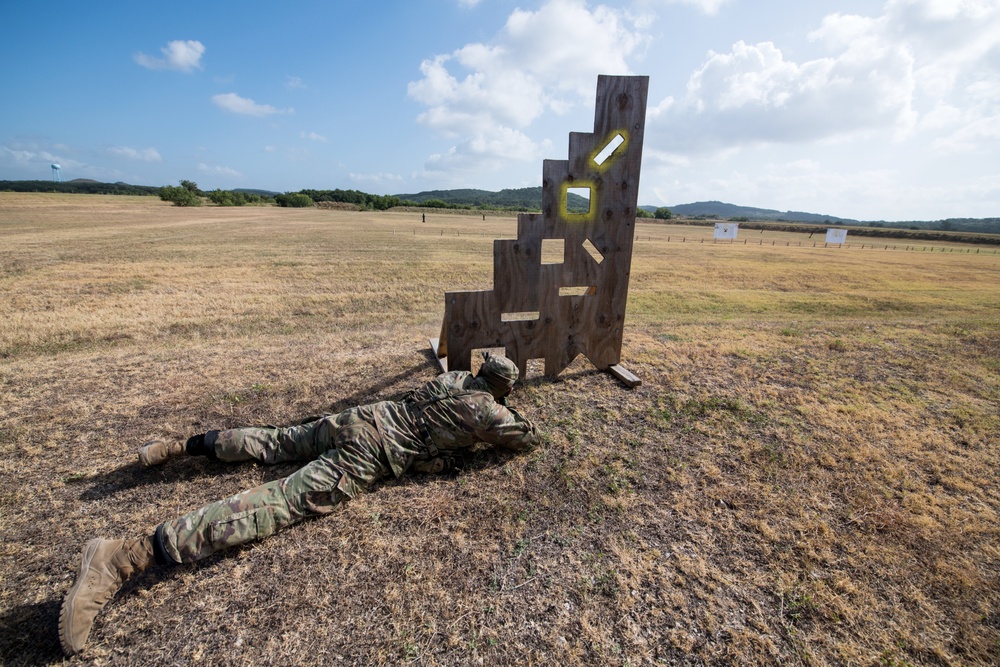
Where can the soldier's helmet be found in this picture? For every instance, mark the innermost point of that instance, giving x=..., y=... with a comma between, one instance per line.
x=499, y=373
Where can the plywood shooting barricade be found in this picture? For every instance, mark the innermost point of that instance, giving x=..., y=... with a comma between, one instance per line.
x=559, y=310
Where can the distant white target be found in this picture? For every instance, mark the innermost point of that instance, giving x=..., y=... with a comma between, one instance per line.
x=726, y=230
x=838, y=236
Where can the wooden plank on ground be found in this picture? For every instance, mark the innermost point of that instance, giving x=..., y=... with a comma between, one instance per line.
x=626, y=376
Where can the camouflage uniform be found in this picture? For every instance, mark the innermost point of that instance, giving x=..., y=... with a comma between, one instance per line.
x=347, y=453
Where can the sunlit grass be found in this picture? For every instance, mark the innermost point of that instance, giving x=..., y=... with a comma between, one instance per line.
x=807, y=474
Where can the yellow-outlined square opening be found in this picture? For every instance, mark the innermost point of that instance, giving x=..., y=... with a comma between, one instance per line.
x=564, y=196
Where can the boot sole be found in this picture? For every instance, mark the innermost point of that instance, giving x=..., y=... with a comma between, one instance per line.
x=69, y=603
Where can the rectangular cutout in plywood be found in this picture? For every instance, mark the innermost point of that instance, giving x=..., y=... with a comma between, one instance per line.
x=609, y=150
x=553, y=251
x=527, y=316
x=535, y=368
x=584, y=193
x=583, y=290
x=477, y=356
x=593, y=251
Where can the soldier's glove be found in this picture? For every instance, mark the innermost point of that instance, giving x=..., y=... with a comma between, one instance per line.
x=502, y=401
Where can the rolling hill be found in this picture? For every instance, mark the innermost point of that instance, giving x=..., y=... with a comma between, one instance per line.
x=725, y=211
x=525, y=199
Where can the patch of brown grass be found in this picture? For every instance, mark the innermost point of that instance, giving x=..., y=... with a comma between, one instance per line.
x=807, y=474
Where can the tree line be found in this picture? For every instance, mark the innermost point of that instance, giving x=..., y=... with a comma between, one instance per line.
x=516, y=199
x=523, y=199
x=78, y=186
x=188, y=194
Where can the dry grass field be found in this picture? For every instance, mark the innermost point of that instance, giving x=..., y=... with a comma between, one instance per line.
x=808, y=474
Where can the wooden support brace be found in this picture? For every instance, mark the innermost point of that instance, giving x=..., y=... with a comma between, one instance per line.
x=626, y=376
x=442, y=361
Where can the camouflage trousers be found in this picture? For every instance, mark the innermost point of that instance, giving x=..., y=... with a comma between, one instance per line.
x=345, y=456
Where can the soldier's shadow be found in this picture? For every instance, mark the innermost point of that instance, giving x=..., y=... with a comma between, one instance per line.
x=29, y=634
x=133, y=475
x=375, y=392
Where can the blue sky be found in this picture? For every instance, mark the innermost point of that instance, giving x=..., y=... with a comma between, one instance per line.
x=870, y=110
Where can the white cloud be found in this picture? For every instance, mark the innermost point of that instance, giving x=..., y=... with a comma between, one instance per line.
x=462, y=163
x=294, y=83
x=291, y=153
x=874, y=179
x=827, y=190
x=565, y=45
x=225, y=171
x=653, y=158
x=25, y=156
x=379, y=178
x=480, y=103
x=29, y=160
x=313, y=136
x=920, y=66
x=178, y=54
x=710, y=7
x=244, y=105
x=144, y=155
x=895, y=115
x=941, y=116
x=486, y=95
x=754, y=95
x=957, y=69
x=971, y=136
x=537, y=57
x=468, y=3
x=32, y=155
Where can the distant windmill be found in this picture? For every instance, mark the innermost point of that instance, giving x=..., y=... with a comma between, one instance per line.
x=56, y=172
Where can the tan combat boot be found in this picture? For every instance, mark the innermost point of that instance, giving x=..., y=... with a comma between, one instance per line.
x=158, y=452
x=103, y=568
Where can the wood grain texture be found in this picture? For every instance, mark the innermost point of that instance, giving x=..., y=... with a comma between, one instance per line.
x=628, y=378
x=567, y=326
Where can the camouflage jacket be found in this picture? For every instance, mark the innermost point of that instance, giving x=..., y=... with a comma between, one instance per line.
x=448, y=413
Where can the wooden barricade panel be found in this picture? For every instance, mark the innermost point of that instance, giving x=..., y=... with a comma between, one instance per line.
x=561, y=309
